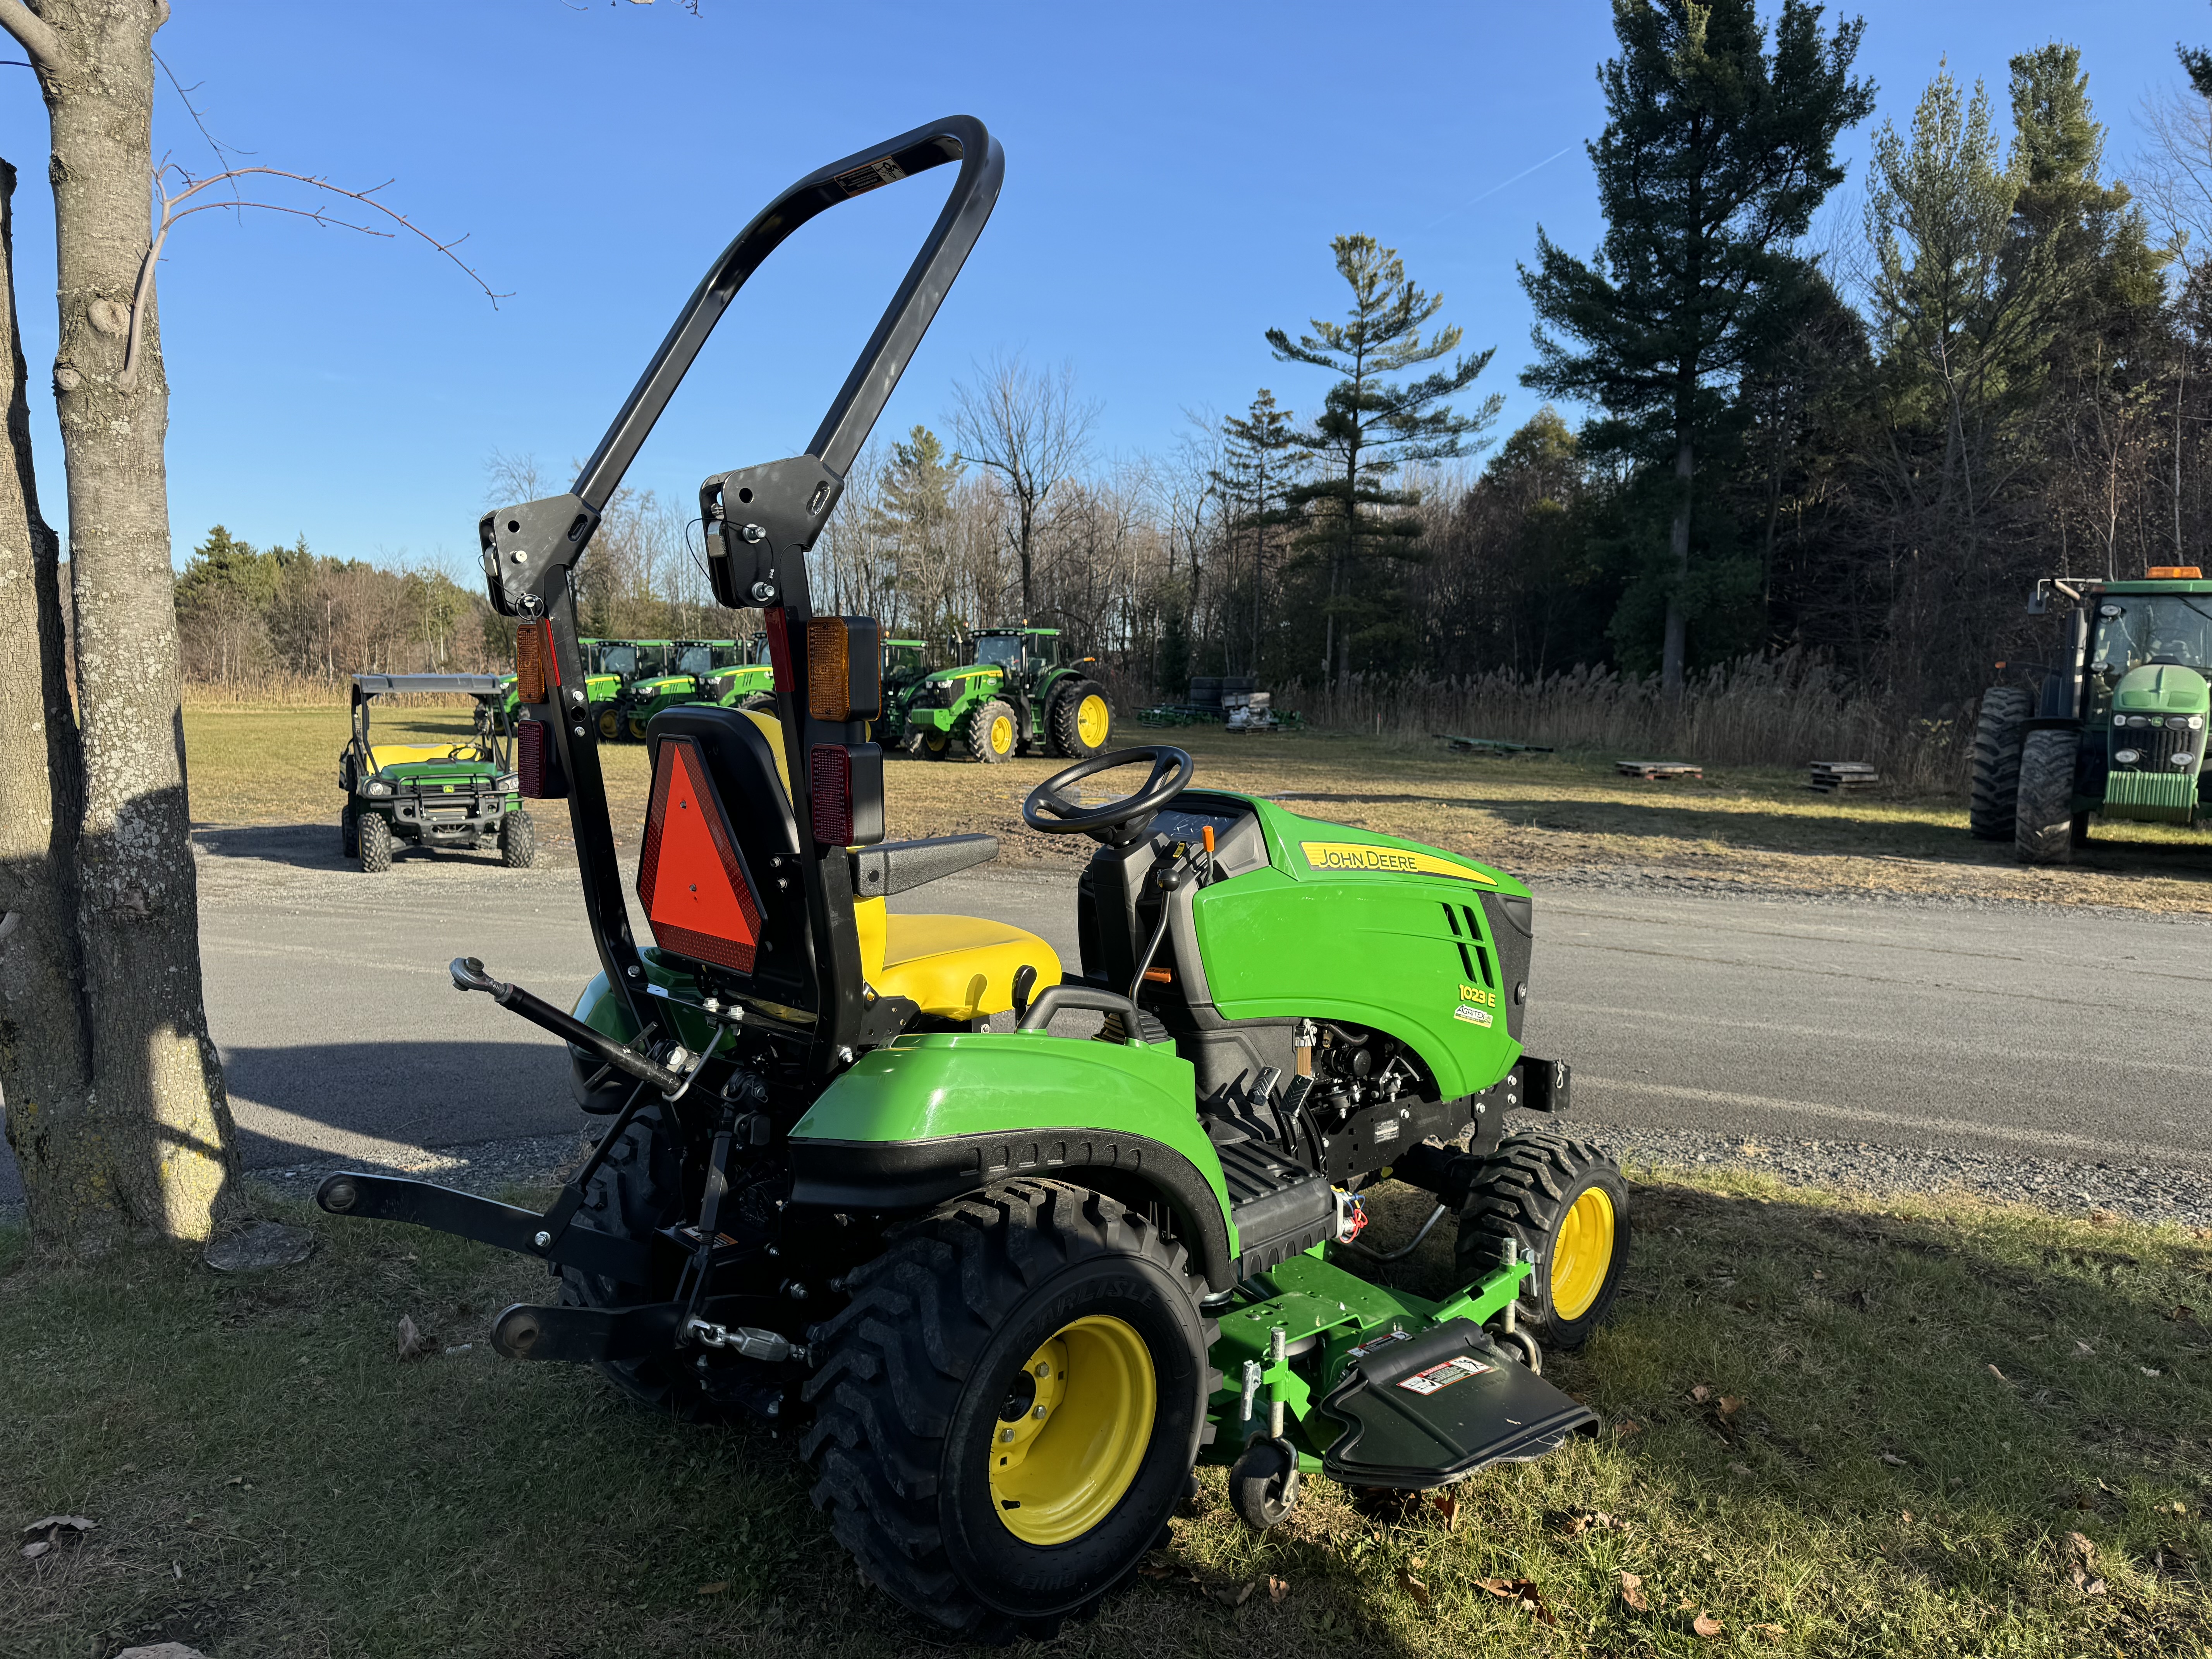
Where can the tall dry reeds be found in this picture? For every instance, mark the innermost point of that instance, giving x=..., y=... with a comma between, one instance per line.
x=1782, y=711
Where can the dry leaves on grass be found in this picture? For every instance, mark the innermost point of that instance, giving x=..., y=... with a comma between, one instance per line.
x=1626, y=1426
x=49, y=1530
x=1447, y=1507
x=1892, y=1460
x=1279, y=1590
x=1573, y=1523
x=1413, y=1586
x=413, y=1345
x=1522, y=1593
x=2081, y=1557
x=1631, y=1591
x=1706, y=1625
x=715, y=1588
x=1234, y=1596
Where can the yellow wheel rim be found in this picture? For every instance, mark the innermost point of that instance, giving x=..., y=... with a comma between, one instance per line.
x=935, y=741
x=609, y=725
x=1581, y=1252
x=637, y=730
x=1002, y=735
x=1070, y=1437
x=1091, y=719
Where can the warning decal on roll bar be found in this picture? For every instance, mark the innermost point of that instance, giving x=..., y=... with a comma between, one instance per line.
x=869, y=175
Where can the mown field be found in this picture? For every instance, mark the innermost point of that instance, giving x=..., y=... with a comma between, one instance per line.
x=1535, y=815
x=1830, y=1427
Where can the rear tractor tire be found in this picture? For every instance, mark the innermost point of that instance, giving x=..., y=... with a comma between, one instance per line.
x=611, y=725
x=372, y=836
x=637, y=1190
x=1082, y=720
x=1564, y=1206
x=1995, y=786
x=2042, y=825
x=989, y=734
x=517, y=840
x=1008, y=1411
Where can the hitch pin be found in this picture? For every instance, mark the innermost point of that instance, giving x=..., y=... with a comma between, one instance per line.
x=748, y=1341
x=1278, y=1352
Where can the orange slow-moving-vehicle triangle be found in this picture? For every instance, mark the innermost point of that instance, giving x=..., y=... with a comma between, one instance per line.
x=691, y=878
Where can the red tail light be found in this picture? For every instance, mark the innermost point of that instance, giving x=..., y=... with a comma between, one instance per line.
x=537, y=763
x=691, y=878
x=845, y=788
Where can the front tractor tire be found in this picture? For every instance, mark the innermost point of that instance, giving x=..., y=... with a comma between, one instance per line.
x=1008, y=1409
x=372, y=836
x=1995, y=786
x=989, y=734
x=2043, y=824
x=1082, y=720
x=1564, y=1206
x=517, y=840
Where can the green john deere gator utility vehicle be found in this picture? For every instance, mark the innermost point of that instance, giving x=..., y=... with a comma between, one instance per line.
x=1018, y=692
x=461, y=792
x=2116, y=726
x=865, y=1176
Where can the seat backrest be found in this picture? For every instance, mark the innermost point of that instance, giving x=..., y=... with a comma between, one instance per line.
x=730, y=897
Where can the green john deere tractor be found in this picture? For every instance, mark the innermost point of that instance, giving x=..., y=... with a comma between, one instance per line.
x=2116, y=726
x=449, y=793
x=906, y=669
x=1011, y=1246
x=1017, y=693
x=730, y=673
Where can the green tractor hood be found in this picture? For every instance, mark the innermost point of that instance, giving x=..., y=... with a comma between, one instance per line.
x=2161, y=688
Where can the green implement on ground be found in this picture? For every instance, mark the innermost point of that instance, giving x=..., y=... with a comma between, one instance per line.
x=1018, y=691
x=2116, y=727
x=457, y=793
x=1011, y=1245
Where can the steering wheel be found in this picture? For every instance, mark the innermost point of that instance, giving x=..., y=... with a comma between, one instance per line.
x=1120, y=822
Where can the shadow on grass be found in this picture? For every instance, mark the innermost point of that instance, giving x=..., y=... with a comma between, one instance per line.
x=315, y=1493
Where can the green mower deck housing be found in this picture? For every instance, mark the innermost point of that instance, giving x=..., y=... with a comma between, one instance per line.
x=1016, y=691
x=2113, y=728
x=459, y=793
x=1008, y=1243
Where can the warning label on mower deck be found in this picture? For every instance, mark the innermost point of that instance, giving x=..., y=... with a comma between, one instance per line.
x=1438, y=1377
x=1388, y=861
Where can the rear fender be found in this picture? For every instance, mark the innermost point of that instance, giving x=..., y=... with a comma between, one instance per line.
x=931, y=1116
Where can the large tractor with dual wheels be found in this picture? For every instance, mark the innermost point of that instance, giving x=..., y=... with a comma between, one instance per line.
x=1012, y=1245
x=1019, y=692
x=2115, y=727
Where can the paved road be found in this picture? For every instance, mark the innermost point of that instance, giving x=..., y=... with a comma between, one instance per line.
x=1987, y=1028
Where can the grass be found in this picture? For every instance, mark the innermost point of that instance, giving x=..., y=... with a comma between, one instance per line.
x=1906, y=1410
x=1535, y=815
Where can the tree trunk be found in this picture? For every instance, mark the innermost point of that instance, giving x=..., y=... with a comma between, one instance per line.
x=161, y=1123
x=45, y=1057
x=1673, y=651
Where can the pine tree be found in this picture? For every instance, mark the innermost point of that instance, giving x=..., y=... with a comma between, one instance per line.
x=1369, y=427
x=915, y=516
x=1260, y=465
x=1715, y=154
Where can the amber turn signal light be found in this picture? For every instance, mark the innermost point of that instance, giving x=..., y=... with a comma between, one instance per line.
x=530, y=662
x=844, y=668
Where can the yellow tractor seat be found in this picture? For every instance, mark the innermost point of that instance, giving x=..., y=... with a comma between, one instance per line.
x=955, y=968
x=404, y=754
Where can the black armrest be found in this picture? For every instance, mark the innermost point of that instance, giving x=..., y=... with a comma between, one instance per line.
x=899, y=867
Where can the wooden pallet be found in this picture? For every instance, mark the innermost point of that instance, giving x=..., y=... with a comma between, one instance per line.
x=1843, y=777
x=1659, y=769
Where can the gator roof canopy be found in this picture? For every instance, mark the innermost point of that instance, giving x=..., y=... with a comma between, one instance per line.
x=2143, y=585
x=378, y=685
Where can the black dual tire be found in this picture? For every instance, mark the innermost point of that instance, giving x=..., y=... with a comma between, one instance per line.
x=975, y=732
x=2044, y=821
x=373, y=841
x=1998, y=734
x=915, y=1376
x=1564, y=1206
x=1064, y=726
x=517, y=840
x=637, y=1190
x=348, y=832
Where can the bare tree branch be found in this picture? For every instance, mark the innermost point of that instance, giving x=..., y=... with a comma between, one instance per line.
x=32, y=34
x=174, y=212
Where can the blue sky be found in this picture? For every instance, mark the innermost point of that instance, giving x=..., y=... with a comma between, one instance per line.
x=1173, y=175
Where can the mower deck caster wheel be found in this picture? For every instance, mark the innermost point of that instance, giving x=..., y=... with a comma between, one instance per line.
x=1263, y=1483
x=1517, y=1344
